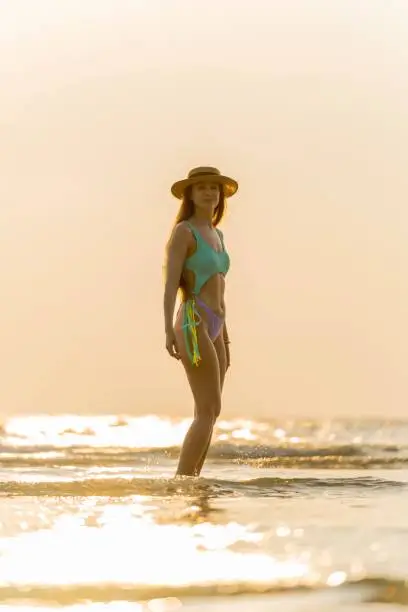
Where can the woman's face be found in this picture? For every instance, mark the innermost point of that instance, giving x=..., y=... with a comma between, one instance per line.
x=205, y=195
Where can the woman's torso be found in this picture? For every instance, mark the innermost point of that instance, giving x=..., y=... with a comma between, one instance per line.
x=205, y=267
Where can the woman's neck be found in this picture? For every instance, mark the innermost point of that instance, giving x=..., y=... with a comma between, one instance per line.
x=202, y=219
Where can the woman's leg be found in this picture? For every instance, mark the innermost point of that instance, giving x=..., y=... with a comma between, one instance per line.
x=206, y=388
x=222, y=364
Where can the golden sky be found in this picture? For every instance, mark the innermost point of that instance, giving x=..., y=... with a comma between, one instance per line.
x=104, y=103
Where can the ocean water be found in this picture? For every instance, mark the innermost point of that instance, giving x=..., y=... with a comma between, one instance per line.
x=302, y=514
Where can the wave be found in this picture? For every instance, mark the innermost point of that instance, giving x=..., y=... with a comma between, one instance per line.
x=334, y=456
x=189, y=486
x=366, y=590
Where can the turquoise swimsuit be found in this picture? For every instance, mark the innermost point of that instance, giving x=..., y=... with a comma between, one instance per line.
x=205, y=262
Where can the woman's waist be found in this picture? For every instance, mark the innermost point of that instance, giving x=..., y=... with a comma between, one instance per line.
x=203, y=301
x=211, y=290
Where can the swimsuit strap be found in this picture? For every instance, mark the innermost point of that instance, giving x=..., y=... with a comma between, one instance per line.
x=194, y=231
x=221, y=235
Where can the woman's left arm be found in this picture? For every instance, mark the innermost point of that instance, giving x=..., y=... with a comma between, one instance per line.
x=226, y=339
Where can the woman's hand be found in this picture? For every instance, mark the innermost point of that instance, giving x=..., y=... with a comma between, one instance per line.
x=171, y=345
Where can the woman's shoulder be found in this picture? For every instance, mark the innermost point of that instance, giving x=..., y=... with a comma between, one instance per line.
x=181, y=232
x=182, y=228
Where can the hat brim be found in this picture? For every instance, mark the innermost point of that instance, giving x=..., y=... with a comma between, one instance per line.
x=229, y=185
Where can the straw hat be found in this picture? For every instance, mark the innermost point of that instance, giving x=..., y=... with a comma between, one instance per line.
x=205, y=174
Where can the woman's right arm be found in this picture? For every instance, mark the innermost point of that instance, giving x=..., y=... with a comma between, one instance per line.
x=176, y=253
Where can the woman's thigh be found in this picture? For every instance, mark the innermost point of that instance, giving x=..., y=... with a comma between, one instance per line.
x=204, y=379
x=222, y=357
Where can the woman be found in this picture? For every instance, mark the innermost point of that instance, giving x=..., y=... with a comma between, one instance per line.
x=196, y=264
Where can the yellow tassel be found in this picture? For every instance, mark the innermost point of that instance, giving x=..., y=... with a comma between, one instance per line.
x=196, y=357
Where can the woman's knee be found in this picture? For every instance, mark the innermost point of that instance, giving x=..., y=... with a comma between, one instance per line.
x=208, y=412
